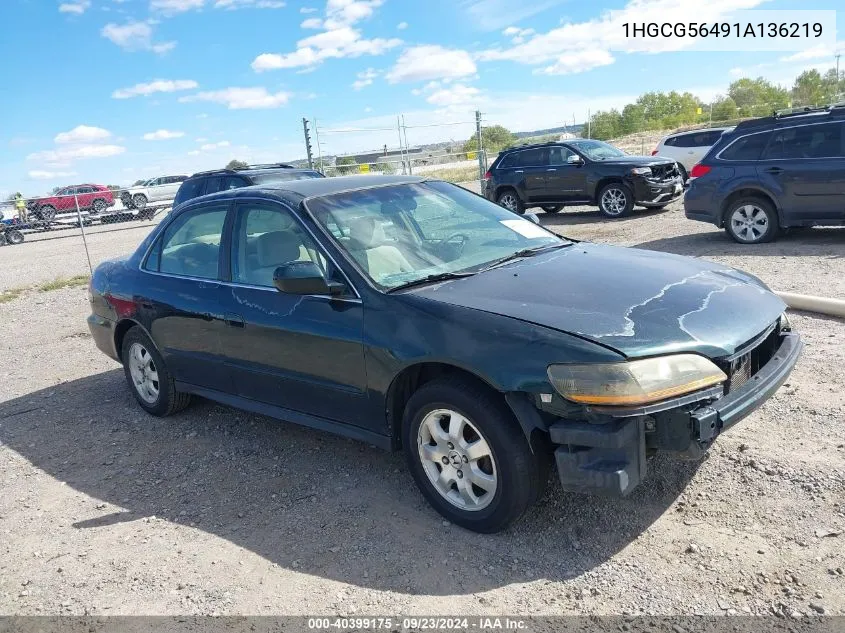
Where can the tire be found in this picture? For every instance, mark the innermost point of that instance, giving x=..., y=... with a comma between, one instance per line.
x=516, y=477
x=616, y=200
x=684, y=174
x=751, y=221
x=126, y=199
x=139, y=201
x=2, y=239
x=148, y=376
x=14, y=237
x=99, y=205
x=47, y=213
x=554, y=208
x=509, y=199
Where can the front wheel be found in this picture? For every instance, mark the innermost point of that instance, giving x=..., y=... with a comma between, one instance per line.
x=616, y=200
x=47, y=213
x=99, y=205
x=139, y=201
x=751, y=221
x=469, y=456
x=510, y=200
x=151, y=382
x=14, y=236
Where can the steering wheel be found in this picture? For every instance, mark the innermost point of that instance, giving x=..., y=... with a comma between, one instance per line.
x=464, y=238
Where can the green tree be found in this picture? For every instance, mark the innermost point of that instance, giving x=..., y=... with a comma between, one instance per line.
x=494, y=138
x=724, y=109
x=237, y=164
x=346, y=165
x=757, y=97
x=138, y=182
x=605, y=125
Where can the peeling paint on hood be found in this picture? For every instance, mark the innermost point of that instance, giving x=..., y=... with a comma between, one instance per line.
x=638, y=302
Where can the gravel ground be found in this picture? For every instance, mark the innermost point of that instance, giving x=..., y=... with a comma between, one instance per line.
x=106, y=510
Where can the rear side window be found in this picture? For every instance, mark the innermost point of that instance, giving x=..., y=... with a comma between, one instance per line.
x=672, y=141
x=746, y=147
x=189, y=190
x=696, y=139
x=508, y=161
x=190, y=246
x=533, y=157
x=808, y=141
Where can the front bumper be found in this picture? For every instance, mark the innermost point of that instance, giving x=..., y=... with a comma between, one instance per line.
x=610, y=458
x=656, y=193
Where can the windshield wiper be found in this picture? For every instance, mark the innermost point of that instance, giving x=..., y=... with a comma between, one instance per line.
x=525, y=252
x=430, y=279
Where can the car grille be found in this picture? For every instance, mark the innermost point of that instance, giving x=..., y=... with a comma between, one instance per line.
x=751, y=357
x=665, y=172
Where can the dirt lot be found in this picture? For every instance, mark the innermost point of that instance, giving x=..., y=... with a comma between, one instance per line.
x=106, y=510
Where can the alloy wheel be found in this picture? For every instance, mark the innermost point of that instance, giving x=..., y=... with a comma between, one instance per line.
x=144, y=373
x=508, y=201
x=749, y=222
x=614, y=201
x=457, y=460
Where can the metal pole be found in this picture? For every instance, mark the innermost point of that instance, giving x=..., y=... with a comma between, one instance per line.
x=407, y=147
x=401, y=150
x=589, y=123
x=307, y=143
x=480, y=150
x=84, y=239
x=319, y=150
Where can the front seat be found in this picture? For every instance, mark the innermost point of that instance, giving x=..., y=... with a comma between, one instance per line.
x=272, y=250
x=369, y=247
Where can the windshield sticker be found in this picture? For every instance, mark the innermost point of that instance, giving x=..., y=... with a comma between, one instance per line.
x=525, y=228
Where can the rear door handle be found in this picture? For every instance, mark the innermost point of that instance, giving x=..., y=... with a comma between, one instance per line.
x=518, y=171
x=551, y=170
x=233, y=320
x=774, y=170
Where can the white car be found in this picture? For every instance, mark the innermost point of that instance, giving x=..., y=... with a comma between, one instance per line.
x=154, y=190
x=688, y=148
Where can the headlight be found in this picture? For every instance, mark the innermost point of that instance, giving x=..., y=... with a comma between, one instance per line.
x=635, y=382
x=641, y=171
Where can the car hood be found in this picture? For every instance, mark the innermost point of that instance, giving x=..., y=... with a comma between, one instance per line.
x=645, y=161
x=637, y=302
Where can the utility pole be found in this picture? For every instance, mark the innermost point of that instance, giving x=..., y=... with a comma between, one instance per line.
x=589, y=123
x=401, y=150
x=480, y=153
x=407, y=147
x=308, y=143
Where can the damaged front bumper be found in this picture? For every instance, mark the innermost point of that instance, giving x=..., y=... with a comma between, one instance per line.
x=608, y=454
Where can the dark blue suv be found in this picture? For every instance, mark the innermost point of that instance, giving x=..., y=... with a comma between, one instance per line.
x=783, y=171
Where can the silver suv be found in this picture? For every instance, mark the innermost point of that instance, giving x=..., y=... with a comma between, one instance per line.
x=161, y=189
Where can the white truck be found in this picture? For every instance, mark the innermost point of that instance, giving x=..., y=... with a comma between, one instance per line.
x=162, y=189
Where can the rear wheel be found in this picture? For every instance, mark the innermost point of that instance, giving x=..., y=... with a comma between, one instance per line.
x=469, y=456
x=510, y=200
x=616, y=200
x=552, y=208
x=751, y=221
x=150, y=380
x=47, y=213
x=139, y=201
x=99, y=206
x=14, y=236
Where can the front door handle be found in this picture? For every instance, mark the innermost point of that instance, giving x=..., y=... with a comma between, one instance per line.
x=233, y=320
x=518, y=171
x=551, y=170
x=774, y=170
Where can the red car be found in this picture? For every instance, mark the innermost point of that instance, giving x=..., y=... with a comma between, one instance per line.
x=94, y=198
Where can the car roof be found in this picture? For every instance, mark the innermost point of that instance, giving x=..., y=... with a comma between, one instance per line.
x=252, y=171
x=699, y=130
x=294, y=191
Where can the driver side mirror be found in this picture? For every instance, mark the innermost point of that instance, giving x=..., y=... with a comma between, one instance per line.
x=574, y=159
x=304, y=278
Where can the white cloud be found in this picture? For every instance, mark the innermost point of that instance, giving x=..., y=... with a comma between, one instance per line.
x=175, y=6
x=157, y=85
x=248, y=4
x=306, y=10
x=194, y=152
x=82, y=134
x=577, y=62
x=241, y=98
x=162, y=135
x=79, y=7
x=201, y=139
x=65, y=155
x=816, y=52
x=338, y=38
x=210, y=147
x=422, y=63
x=38, y=174
x=491, y=15
x=135, y=36
x=517, y=34
x=365, y=78
x=402, y=26
x=455, y=94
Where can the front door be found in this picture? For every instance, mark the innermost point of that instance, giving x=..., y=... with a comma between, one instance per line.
x=806, y=165
x=182, y=301
x=565, y=181
x=303, y=353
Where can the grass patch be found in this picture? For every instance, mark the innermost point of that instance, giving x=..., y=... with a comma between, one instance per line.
x=11, y=295
x=64, y=282
x=454, y=174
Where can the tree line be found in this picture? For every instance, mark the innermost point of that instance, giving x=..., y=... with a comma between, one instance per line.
x=745, y=98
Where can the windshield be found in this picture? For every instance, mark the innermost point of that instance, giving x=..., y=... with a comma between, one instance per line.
x=405, y=233
x=283, y=176
x=596, y=150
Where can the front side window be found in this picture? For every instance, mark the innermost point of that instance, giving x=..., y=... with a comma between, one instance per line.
x=190, y=245
x=266, y=237
x=404, y=233
x=597, y=150
x=746, y=148
x=808, y=141
x=558, y=155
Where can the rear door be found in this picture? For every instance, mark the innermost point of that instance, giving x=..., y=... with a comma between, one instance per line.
x=181, y=296
x=155, y=190
x=85, y=195
x=530, y=172
x=565, y=182
x=806, y=165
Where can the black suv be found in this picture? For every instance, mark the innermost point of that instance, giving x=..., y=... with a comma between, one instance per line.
x=206, y=182
x=579, y=172
x=787, y=170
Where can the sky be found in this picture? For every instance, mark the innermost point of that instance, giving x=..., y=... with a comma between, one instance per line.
x=112, y=91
